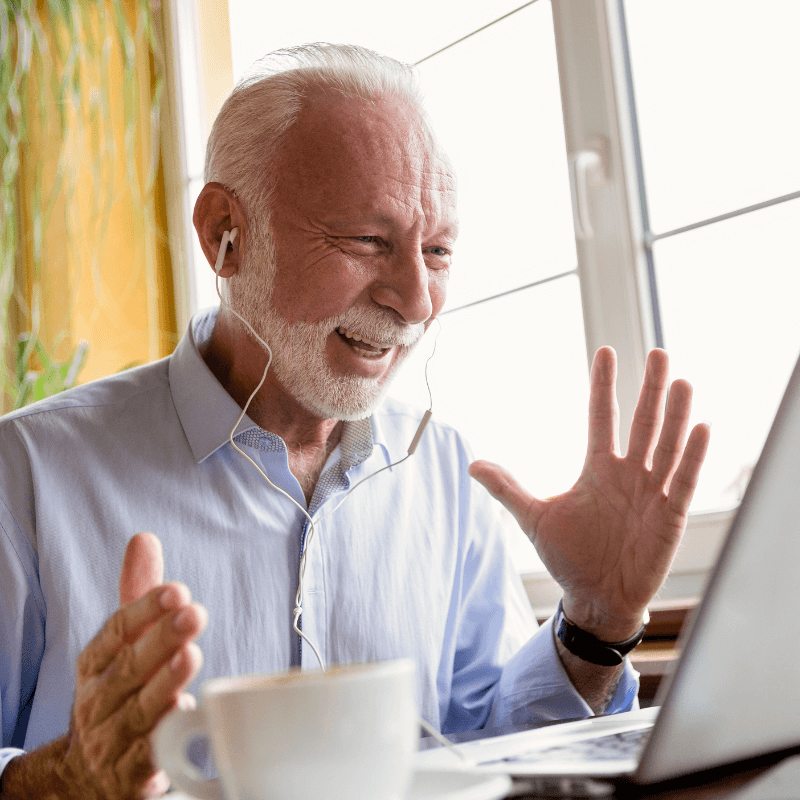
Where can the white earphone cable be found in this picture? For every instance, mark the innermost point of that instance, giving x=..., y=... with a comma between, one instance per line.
x=228, y=237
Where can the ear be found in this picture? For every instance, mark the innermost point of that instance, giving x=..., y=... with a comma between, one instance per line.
x=218, y=210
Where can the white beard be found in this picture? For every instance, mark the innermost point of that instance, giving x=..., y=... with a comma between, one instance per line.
x=299, y=361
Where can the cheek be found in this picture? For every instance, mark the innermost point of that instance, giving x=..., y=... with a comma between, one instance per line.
x=317, y=290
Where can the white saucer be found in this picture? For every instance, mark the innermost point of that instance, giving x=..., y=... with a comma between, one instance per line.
x=440, y=785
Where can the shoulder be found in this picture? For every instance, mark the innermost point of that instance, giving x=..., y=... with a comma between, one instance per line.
x=91, y=402
x=401, y=420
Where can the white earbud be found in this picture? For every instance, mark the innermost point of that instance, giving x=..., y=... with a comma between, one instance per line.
x=228, y=236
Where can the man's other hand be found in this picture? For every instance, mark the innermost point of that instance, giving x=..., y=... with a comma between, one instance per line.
x=128, y=677
x=609, y=541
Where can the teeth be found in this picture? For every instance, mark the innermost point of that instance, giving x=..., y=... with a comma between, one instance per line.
x=356, y=338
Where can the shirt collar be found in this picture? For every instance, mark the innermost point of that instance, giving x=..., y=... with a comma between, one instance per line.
x=379, y=438
x=208, y=413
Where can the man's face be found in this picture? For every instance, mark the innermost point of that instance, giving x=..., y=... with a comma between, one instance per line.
x=362, y=229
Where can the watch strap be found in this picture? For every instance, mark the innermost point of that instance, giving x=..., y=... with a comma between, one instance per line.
x=589, y=647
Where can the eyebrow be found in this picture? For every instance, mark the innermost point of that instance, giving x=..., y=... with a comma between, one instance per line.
x=452, y=230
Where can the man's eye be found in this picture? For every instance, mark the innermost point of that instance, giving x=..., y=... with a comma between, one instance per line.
x=367, y=239
x=439, y=251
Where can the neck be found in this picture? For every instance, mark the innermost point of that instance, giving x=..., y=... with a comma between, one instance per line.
x=238, y=364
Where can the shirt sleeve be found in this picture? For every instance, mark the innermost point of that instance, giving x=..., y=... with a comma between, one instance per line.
x=21, y=629
x=534, y=687
x=6, y=754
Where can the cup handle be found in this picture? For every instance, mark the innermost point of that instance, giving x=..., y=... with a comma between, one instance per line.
x=170, y=739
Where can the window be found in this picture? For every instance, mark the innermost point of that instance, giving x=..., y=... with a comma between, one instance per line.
x=555, y=111
x=719, y=135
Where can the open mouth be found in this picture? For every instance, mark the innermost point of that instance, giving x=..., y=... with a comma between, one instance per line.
x=363, y=346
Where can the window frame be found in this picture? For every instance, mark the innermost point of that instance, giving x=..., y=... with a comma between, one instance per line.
x=197, y=43
x=614, y=259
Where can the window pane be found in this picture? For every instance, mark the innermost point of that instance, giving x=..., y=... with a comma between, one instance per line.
x=511, y=375
x=729, y=295
x=408, y=31
x=495, y=104
x=716, y=85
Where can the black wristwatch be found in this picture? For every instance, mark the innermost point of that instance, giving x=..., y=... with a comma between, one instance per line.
x=590, y=648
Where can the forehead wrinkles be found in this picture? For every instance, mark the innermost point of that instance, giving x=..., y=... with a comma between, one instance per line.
x=427, y=202
x=344, y=150
x=420, y=180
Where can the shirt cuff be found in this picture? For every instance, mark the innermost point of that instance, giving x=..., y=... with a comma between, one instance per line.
x=535, y=687
x=6, y=754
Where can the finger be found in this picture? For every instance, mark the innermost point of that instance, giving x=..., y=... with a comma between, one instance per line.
x=128, y=623
x=603, y=408
x=142, y=567
x=503, y=487
x=187, y=701
x=143, y=710
x=684, y=482
x=673, y=434
x=163, y=691
x=156, y=786
x=649, y=413
x=138, y=662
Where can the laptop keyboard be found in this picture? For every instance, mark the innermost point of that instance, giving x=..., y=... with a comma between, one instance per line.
x=613, y=747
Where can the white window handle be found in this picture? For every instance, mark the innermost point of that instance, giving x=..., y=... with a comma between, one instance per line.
x=585, y=169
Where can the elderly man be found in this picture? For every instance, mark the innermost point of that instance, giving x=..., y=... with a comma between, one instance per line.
x=345, y=218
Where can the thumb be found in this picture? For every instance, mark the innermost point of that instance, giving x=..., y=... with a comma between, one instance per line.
x=502, y=485
x=142, y=567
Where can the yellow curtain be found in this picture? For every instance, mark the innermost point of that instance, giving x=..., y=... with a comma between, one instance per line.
x=92, y=261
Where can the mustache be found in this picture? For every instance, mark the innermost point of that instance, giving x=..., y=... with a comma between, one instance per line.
x=379, y=326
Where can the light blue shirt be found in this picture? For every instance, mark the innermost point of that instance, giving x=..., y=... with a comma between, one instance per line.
x=413, y=564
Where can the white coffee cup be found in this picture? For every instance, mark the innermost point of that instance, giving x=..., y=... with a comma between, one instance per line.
x=349, y=733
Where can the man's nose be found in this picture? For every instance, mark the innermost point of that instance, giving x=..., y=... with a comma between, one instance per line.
x=403, y=287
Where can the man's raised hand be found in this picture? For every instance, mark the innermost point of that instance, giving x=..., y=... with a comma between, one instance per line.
x=609, y=541
x=128, y=677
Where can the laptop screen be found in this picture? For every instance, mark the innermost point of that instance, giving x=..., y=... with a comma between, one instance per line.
x=735, y=692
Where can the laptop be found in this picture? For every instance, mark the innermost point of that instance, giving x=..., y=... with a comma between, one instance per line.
x=734, y=694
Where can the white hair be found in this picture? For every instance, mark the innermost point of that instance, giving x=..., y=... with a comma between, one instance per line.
x=266, y=103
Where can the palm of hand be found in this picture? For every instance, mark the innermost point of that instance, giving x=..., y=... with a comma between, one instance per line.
x=613, y=535
x=609, y=540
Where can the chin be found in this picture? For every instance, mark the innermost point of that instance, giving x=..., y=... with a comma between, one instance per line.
x=349, y=398
x=318, y=388
x=345, y=402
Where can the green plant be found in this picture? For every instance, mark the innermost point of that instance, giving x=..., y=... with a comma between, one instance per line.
x=54, y=62
x=38, y=375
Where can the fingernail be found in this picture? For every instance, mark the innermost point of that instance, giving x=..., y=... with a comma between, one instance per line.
x=176, y=661
x=183, y=621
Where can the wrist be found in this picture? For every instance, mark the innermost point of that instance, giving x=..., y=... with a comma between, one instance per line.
x=37, y=774
x=604, y=624
x=591, y=648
